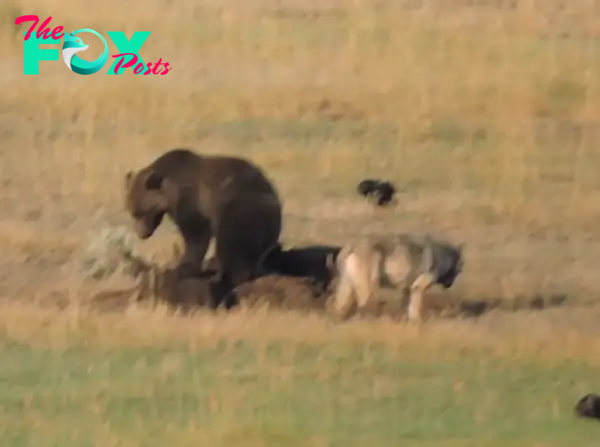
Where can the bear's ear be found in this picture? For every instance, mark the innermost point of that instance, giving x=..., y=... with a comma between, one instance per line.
x=154, y=181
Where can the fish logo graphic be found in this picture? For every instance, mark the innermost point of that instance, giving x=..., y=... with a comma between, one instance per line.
x=75, y=45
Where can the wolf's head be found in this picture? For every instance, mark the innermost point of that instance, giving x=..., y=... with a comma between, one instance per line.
x=448, y=262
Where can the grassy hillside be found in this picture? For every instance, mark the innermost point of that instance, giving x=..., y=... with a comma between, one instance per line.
x=486, y=116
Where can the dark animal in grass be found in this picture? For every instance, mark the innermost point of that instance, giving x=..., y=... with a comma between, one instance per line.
x=589, y=406
x=283, y=292
x=367, y=187
x=165, y=284
x=225, y=197
x=157, y=284
x=312, y=262
x=377, y=191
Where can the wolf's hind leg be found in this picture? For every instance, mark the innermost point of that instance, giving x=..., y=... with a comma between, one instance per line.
x=365, y=273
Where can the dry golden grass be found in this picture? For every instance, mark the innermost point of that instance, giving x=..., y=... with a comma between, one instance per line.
x=486, y=117
x=262, y=379
x=530, y=335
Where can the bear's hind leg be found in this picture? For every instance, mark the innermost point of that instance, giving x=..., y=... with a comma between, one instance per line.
x=235, y=266
x=222, y=287
x=246, y=228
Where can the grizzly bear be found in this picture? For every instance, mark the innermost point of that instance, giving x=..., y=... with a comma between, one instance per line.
x=225, y=197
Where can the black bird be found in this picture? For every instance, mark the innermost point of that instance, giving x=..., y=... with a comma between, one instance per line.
x=589, y=406
x=367, y=187
x=381, y=192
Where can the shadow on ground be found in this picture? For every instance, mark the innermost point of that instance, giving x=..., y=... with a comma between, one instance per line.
x=298, y=294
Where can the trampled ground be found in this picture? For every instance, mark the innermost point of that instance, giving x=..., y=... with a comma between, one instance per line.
x=486, y=116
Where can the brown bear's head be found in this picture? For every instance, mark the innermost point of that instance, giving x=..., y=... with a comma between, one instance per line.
x=148, y=197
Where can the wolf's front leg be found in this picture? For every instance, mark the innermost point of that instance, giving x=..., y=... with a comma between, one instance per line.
x=343, y=299
x=417, y=292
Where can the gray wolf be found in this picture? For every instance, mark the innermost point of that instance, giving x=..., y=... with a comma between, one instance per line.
x=406, y=262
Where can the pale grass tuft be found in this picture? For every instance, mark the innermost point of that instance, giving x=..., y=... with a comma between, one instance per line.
x=105, y=253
